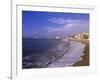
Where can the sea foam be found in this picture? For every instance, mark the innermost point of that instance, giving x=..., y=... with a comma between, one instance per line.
x=73, y=55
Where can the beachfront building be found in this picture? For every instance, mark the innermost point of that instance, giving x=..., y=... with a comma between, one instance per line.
x=83, y=35
x=57, y=37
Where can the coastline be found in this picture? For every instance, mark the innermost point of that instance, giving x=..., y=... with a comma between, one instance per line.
x=85, y=60
x=72, y=56
x=50, y=56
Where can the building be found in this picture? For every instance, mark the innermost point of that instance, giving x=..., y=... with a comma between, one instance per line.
x=83, y=35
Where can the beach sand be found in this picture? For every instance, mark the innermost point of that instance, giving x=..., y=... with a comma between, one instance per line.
x=85, y=61
x=71, y=57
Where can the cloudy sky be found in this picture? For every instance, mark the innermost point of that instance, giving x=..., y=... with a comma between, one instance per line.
x=51, y=24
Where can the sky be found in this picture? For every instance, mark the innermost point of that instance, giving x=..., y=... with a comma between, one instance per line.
x=52, y=24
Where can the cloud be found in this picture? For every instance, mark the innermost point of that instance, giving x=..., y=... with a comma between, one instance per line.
x=65, y=21
x=57, y=20
x=68, y=26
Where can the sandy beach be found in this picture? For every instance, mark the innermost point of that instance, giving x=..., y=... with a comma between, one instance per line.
x=73, y=55
x=85, y=61
x=71, y=52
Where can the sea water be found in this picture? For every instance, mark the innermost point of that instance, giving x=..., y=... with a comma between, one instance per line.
x=39, y=53
x=38, y=46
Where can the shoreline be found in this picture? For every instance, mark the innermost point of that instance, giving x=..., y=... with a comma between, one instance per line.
x=73, y=55
x=77, y=55
x=85, y=60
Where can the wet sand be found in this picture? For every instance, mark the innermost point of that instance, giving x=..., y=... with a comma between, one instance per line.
x=85, y=61
x=71, y=57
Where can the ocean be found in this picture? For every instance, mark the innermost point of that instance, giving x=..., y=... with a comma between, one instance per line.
x=38, y=46
x=38, y=53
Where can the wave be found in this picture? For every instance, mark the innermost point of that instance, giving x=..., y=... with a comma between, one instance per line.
x=49, y=57
x=71, y=57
